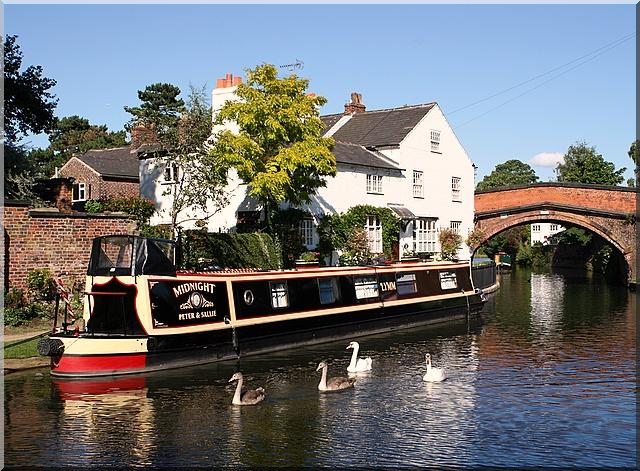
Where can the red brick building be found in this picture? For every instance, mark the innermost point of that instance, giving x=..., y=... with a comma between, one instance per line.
x=103, y=174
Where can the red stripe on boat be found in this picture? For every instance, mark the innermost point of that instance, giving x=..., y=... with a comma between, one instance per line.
x=99, y=363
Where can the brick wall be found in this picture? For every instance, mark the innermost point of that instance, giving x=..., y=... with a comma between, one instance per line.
x=612, y=199
x=97, y=187
x=50, y=239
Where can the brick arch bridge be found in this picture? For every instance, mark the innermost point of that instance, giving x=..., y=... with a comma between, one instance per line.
x=609, y=211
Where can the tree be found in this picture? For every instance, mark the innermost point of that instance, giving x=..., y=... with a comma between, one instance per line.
x=28, y=103
x=634, y=154
x=27, y=108
x=582, y=164
x=279, y=151
x=182, y=132
x=510, y=173
x=73, y=135
x=161, y=108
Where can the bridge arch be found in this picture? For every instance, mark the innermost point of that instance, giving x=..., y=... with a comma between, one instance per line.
x=606, y=211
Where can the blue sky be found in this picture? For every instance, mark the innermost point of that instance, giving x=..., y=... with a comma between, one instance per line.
x=394, y=55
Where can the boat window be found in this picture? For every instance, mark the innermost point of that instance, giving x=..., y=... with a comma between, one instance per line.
x=328, y=288
x=406, y=283
x=279, y=295
x=448, y=280
x=366, y=287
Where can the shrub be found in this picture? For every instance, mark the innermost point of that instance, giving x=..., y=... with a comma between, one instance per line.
x=450, y=242
x=93, y=206
x=15, y=298
x=336, y=230
x=356, y=248
x=41, y=284
x=140, y=208
x=257, y=250
x=15, y=316
x=475, y=237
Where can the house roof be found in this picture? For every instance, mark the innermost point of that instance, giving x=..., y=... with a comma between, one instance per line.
x=353, y=154
x=117, y=162
x=378, y=128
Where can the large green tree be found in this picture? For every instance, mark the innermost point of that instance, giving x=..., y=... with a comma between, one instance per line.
x=583, y=164
x=279, y=151
x=182, y=132
x=73, y=135
x=28, y=102
x=509, y=173
x=160, y=108
x=28, y=108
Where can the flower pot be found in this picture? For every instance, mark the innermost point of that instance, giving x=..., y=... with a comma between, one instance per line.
x=307, y=264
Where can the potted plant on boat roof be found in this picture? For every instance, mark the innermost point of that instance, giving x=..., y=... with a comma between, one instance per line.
x=409, y=255
x=308, y=259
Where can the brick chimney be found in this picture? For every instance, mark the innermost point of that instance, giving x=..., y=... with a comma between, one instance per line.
x=355, y=105
x=142, y=134
x=228, y=81
x=224, y=92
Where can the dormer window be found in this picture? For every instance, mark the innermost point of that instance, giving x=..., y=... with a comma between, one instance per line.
x=435, y=140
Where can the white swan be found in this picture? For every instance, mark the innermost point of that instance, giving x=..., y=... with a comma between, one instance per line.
x=336, y=383
x=433, y=374
x=358, y=364
x=246, y=398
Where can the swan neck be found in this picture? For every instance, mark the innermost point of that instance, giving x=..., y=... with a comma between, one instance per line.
x=236, y=396
x=354, y=357
x=323, y=379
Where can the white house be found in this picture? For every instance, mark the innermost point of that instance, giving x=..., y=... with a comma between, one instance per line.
x=406, y=158
x=542, y=231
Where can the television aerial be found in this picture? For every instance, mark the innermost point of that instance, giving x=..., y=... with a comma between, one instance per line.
x=297, y=65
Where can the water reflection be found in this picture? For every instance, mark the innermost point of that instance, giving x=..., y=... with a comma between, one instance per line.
x=546, y=378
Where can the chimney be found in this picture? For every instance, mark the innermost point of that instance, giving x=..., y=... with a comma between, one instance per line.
x=228, y=81
x=142, y=134
x=64, y=196
x=355, y=105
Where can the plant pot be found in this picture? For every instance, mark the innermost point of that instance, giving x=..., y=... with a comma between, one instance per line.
x=307, y=264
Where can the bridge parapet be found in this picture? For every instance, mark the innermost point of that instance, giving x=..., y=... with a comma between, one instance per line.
x=611, y=199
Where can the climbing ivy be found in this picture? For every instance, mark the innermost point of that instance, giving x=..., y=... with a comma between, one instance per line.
x=336, y=230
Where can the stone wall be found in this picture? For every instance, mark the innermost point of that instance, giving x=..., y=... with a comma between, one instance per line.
x=46, y=238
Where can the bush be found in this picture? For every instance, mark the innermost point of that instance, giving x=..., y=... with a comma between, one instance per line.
x=356, y=249
x=93, y=206
x=450, y=242
x=41, y=284
x=140, y=208
x=336, y=230
x=15, y=298
x=256, y=250
x=21, y=315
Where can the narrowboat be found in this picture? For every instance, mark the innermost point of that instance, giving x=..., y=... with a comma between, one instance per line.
x=142, y=314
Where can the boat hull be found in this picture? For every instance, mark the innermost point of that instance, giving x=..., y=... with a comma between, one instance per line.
x=91, y=356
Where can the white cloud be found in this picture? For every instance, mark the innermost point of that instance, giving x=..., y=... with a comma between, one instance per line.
x=547, y=159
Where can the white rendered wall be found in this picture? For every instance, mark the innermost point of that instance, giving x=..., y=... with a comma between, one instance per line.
x=547, y=229
x=348, y=187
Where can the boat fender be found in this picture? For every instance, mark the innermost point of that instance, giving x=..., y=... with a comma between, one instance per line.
x=50, y=347
x=152, y=344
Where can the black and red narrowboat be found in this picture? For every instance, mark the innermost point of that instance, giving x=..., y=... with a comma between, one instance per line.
x=142, y=314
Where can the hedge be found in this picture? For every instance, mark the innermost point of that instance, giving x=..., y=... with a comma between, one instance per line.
x=202, y=249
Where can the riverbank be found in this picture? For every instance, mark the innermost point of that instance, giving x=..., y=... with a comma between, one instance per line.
x=12, y=365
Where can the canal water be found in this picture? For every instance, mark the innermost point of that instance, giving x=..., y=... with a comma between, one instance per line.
x=546, y=377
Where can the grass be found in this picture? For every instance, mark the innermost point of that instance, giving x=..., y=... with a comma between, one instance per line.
x=21, y=349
